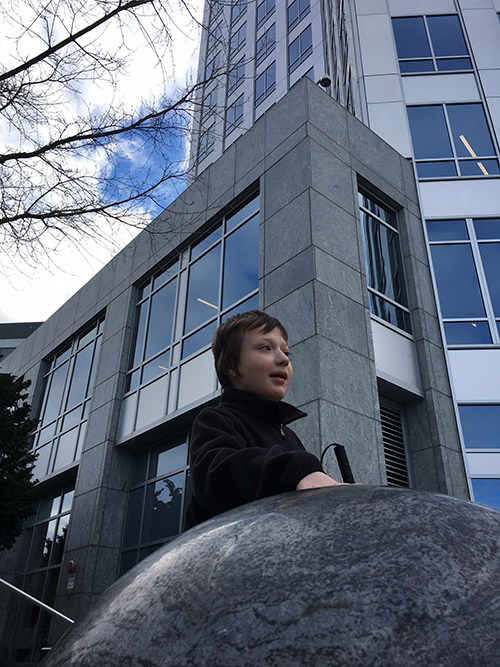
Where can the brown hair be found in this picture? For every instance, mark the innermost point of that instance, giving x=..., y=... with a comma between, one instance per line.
x=226, y=344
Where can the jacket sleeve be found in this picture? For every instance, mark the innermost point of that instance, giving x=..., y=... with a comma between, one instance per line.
x=228, y=471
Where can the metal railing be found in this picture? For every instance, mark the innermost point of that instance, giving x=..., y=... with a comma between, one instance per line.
x=38, y=602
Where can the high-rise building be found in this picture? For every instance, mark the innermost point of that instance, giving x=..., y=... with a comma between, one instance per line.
x=306, y=201
x=425, y=76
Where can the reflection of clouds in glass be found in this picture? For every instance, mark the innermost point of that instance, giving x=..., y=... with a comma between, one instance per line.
x=163, y=507
x=203, y=284
x=457, y=283
x=161, y=319
x=241, y=262
x=487, y=492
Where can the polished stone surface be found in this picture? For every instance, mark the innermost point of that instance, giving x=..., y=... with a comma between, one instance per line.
x=346, y=576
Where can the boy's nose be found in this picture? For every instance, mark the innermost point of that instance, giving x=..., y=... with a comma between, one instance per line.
x=283, y=359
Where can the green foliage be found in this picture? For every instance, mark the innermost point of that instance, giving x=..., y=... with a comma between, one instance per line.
x=16, y=458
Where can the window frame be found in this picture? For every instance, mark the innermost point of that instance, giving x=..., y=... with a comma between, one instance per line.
x=432, y=58
x=236, y=110
x=302, y=54
x=268, y=88
x=492, y=320
x=265, y=44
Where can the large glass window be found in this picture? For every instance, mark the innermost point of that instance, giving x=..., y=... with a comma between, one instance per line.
x=266, y=44
x=384, y=263
x=234, y=114
x=206, y=143
x=238, y=40
x=265, y=84
x=480, y=426
x=487, y=491
x=452, y=140
x=237, y=10
x=297, y=10
x=430, y=44
x=159, y=492
x=300, y=49
x=178, y=311
x=466, y=257
x=43, y=543
x=68, y=385
x=264, y=10
x=236, y=76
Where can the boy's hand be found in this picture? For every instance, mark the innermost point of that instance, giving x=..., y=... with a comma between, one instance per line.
x=316, y=480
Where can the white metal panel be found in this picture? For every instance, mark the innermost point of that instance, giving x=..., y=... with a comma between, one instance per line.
x=385, y=88
x=416, y=7
x=484, y=34
x=460, y=198
x=395, y=358
x=476, y=374
x=482, y=464
x=378, y=49
x=440, y=88
x=389, y=121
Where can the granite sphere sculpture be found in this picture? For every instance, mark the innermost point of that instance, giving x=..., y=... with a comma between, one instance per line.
x=335, y=577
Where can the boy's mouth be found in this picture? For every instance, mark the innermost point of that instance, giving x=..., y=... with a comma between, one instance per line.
x=279, y=376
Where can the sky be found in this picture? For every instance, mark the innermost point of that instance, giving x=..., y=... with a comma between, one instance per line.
x=33, y=291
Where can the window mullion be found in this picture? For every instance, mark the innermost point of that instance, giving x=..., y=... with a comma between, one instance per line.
x=450, y=136
x=483, y=283
x=431, y=46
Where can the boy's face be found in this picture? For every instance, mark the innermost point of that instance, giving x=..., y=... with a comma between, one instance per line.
x=264, y=367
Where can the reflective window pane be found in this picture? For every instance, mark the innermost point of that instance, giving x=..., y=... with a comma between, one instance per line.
x=156, y=367
x=139, y=336
x=480, y=426
x=488, y=228
x=60, y=539
x=389, y=312
x=487, y=492
x=490, y=255
x=197, y=378
x=198, y=340
x=165, y=275
x=249, y=304
x=446, y=36
x=411, y=37
x=436, y=169
x=53, y=405
x=206, y=242
x=457, y=282
x=139, y=468
x=163, y=508
x=453, y=64
x=429, y=133
x=166, y=459
x=203, y=289
x=234, y=219
x=447, y=230
x=241, y=262
x=161, y=319
x=467, y=333
x=152, y=402
x=134, y=514
x=409, y=66
x=66, y=449
x=470, y=130
x=80, y=376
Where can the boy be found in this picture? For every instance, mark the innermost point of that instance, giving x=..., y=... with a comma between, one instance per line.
x=242, y=449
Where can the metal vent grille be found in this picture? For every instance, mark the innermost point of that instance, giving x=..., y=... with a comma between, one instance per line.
x=394, y=446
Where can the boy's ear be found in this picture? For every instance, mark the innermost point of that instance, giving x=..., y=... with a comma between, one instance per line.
x=232, y=373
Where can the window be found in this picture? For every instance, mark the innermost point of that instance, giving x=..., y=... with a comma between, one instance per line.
x=68, y=385
x=265, y=84
x=159, y=493
x=178, y=311
x=238, y=40
x=43, y=543
x=384, y=263
x=480, y=426
x=299, y=49
x=215, y=38
x=466, y=256
x=209, y=104
x=266, y=44
x=487, y=492
x=207, y=139
x=430, y=44
x=213, y=65
x=237, y=10
x=234, y=114
x=296, y=12
x=264, y=11
x=452, y=140
x=236, y=76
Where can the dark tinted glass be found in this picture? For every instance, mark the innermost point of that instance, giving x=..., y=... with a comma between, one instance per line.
x=139, y=337
x=436, y=169
x=411, y=37
x=487, y=492
x=133, y=524
x=167, y=459
x=469, y=130
x=241, y=262
x=447, y=230
x=163, y=508
x=389, y=312
x=467, y=333
x=490, y=254
x=55, y=393
x=161, y=319
x=80, y=377
x=457, y=282
x=488, y=228
x=451, y=64
x=198, y=340
x=479, y=168
x=428, y=131
x=156, y=367
x=203, y=289
x=480, y=426
x=408, y=66
x=446, y=36
x=235, y=218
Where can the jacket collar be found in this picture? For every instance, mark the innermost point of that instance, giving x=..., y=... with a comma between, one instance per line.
x=274, y=412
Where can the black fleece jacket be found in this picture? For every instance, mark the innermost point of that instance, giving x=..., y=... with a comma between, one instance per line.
x=241, y=451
